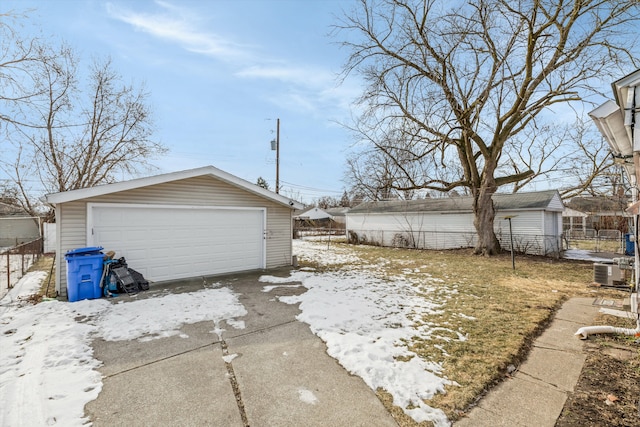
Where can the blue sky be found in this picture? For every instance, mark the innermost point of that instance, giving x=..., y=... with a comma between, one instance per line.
x=220, y=73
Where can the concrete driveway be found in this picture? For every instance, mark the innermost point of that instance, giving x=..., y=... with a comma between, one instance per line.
x=281, y=376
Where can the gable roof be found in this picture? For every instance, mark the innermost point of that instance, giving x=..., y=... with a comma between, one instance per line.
x=100, y=190
x=313, y=213
x=598, y=204
x=340, y=211
x=567, y=212
x=540, y=200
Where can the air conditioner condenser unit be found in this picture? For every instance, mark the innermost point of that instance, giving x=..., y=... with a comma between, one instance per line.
x=608, y=274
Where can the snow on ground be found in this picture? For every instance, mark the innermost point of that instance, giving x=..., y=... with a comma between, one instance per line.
x=45, y=381
x=365, y=322
x=364, y=318
x=325, y=253
x=15, y=265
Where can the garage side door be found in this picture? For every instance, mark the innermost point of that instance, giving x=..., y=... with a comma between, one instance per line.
x=166, y=243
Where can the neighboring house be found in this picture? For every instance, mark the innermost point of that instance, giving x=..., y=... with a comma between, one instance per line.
x=16, y=226
x=312, y=214
x=575, y=222
x=339, y=215
x=602, y=213
x=313, y=218
x=197, y=222
x=447, y=223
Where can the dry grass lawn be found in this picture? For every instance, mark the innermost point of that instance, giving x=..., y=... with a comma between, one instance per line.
x=500, y=309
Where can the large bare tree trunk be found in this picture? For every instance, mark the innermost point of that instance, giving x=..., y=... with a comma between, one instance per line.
x=484, y=216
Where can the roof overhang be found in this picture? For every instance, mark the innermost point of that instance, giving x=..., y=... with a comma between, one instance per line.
x=574, y=213
x=627, y=97
x=100, y=190
x=609, y=119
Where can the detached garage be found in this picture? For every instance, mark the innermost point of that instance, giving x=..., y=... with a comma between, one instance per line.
x=532, y=221
x=198, y=222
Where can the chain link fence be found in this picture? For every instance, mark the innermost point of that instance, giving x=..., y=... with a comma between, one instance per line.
x=440, y=240
x=15, y=261
x=595, y=240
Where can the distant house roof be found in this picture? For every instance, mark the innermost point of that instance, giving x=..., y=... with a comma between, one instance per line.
x=9, y=209
x=567, y=212
x=312, y=213
x=341, y=211
x=595, y=205
x=545, y=200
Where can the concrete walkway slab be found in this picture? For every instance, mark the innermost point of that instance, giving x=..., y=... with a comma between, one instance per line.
x=517, y=402
x=560, y=369
x=190, y=389
x=536, y=394
x=299, y=385
x=272, y=372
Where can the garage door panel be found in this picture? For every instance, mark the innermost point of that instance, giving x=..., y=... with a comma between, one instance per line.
x=168, y=243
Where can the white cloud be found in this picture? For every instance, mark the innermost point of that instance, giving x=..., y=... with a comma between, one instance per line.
x=299, y=86
x=307, y=76
x=181, y=26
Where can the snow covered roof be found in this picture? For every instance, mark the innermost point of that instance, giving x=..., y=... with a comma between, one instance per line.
x=540, y=200
x=312, y=213
x=100, y=190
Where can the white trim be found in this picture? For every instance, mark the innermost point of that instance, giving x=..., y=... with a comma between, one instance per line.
x=90, y=223
x=100, y=190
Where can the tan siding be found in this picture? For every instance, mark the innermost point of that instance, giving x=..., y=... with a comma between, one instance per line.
x=72, y=226
x=201, y=191
x=198, y=191
x=279, y=234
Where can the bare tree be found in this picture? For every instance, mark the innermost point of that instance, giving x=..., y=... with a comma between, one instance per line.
x=590, y=167
x=477, y=80
x=66, y=135
x=326, y=202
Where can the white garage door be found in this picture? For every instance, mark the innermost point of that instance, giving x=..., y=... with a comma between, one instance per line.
x=173, y=242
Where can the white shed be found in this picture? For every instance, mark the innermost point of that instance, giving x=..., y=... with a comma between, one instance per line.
x=447, y=223
x=197, y=222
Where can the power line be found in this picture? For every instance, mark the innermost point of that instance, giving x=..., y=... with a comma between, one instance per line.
x=319, y=190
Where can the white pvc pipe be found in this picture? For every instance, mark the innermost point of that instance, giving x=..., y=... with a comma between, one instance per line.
x=583, y=333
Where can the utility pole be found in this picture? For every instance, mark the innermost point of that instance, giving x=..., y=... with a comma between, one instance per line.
x=275, y=145
x=278, y=156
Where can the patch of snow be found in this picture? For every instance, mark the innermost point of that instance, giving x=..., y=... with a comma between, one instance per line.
x=16, y=265
x=325, y=254
x=307, y=396
x=464, y=316
x=47, y=381
x=229, y=357
x=366, y=322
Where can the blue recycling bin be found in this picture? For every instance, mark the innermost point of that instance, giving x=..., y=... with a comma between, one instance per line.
x=629, y=245
x=84, y=272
